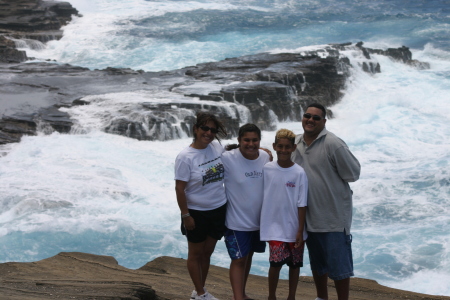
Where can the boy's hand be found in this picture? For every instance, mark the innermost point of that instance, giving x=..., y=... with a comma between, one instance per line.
x=298, y=239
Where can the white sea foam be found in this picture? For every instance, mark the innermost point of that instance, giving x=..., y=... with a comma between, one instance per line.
x=103, y=110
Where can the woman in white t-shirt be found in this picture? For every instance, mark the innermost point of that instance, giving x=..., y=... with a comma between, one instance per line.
x=199, y=177
x=244, y=188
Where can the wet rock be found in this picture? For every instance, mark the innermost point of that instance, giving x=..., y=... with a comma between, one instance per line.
x=12, y=128
x=8, y=53
x=263, y=89
x=21, y=20
x=54, y=120
x=46, y=120
x=34, y=15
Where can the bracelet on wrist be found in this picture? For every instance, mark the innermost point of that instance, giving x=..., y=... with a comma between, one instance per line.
x=185, y=215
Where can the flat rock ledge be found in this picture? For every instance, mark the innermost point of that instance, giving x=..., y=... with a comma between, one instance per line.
x=74, y=275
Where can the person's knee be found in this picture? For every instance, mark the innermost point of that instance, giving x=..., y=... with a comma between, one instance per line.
x=275, y=268
x=195, y=256
x=294, y=268
x=239, y=262
x=196, y=251
x=207, y=253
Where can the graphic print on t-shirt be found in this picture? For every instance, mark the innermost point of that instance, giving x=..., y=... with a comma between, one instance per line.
x=213, y=172
x=254, y=174
x=290, y=184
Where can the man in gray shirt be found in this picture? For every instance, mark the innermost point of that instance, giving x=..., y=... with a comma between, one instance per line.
x=329, y=166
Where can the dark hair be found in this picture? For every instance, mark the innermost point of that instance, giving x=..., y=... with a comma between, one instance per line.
x=205, y=117
x=243, y=130
x=319, y=106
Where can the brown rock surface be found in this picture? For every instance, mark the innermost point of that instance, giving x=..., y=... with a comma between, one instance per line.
x=87, y=276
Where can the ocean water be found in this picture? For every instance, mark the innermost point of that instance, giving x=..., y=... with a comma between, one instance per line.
x=99, y=193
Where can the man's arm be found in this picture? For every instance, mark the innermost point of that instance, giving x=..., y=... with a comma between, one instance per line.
x=347, y=165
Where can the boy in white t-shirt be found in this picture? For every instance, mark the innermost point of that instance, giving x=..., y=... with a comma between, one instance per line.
x=283, y=213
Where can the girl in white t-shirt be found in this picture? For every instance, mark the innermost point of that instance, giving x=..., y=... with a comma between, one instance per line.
x=199, y=176
x=244, y=188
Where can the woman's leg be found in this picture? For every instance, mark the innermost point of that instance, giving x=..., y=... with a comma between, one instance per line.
x=194, y=265
x=210, y=245
x=199, y=255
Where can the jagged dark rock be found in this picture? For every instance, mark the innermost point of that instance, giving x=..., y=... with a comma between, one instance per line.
x=262, y=88
x=21, y=20
x=8, y=52
x=34, y=15
x=12, y=128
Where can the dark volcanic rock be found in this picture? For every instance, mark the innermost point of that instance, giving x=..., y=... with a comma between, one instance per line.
x=8, y=53
x=34, y=15
x=46, y=120
x=262, y=88
x=12, y=128
x=30, y=19
x=302, y=79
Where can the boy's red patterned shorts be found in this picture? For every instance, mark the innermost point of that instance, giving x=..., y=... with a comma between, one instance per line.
x=285, y=253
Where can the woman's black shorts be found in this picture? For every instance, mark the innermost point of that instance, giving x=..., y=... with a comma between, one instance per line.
x=207, y=223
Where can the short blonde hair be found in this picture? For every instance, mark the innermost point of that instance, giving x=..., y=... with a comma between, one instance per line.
x=285, y=134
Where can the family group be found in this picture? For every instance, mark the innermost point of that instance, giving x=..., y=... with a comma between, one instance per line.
x=240, y=193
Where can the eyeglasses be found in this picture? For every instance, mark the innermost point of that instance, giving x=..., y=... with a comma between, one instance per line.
x=206, y=128
x=309, y=116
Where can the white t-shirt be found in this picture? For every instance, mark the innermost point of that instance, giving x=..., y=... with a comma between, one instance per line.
x=285, y=189
x=203, y=171
x=244, y=188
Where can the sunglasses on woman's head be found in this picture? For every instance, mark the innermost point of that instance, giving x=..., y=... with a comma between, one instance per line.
x=309, y=116
x=206, y=128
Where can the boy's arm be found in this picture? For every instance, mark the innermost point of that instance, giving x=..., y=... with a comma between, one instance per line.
x=301, y=226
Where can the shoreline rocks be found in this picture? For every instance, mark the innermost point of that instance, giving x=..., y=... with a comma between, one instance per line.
x=74, y=275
